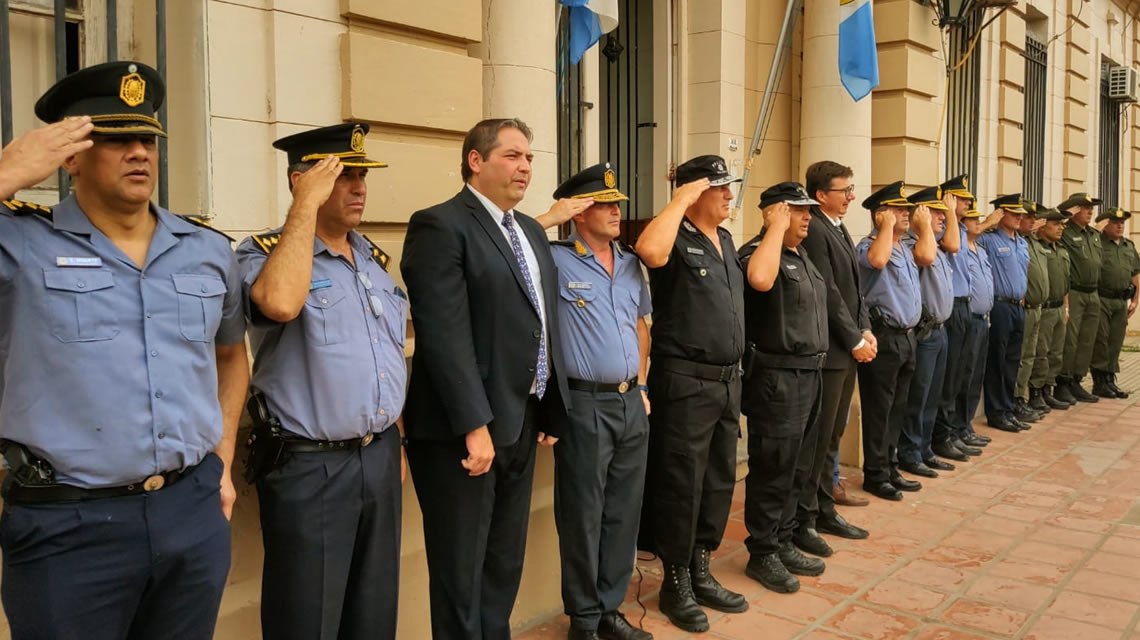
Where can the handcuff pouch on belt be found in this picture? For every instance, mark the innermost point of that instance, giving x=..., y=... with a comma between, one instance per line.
x=925, y=327
x=266, y=442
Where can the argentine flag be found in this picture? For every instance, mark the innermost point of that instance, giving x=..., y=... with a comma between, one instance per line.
x=589, y=19
x=858, y=58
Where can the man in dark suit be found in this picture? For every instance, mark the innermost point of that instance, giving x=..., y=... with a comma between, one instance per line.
x=833, y=253
x=487, y=380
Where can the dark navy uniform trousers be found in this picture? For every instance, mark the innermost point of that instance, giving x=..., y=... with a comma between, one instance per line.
x=923, y=398
x=142, y=567
x=954, y=382
x=1007, y=323
x=599, y=479
x=883, y=387
x=331, y=523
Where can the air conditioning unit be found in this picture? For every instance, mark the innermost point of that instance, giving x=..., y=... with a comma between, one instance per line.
x=1122, y=84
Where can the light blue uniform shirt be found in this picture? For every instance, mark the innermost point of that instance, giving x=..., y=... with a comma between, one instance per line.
x=934, y=282
x=960, y=264
x=109, y=371
x=895, y=288
x=337, y=370
x=981, y=280
x=598, y=314
x=1009, y=258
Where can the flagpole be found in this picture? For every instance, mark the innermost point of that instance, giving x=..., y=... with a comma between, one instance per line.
x=778, y=58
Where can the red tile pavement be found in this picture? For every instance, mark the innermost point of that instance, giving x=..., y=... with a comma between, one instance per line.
x=1037, y=539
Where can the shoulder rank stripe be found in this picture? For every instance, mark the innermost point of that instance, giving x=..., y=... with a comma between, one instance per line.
x=378, y=254
x=562, y=243
x=21, y=208
x=267, y=241
x=199, y=221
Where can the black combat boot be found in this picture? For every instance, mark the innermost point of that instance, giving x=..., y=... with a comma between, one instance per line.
x=710, y=593
x=1036, y=402
x=1100, y=386
x=1079, y=392
x=1022, y=412
x=1051, y=400
x=1064, y=391
x=1111, y=379
x=770, y=572
x=678, y=603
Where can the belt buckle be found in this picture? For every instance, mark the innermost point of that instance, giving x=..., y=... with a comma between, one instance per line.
x=623, y=387
x=154, y=483
x=365, y=441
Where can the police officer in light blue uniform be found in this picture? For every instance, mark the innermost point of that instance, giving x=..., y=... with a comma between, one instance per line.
x=328, y=327
x=603, y=300
x=123, y=374
x=977, y=331
x=915, y=455
x=1009, y=256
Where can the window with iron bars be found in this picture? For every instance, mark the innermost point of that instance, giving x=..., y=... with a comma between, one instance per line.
x=1109, y=179
x=1033, y=158
x=962, y=101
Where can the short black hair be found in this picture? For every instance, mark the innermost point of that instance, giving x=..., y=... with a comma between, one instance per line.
x=484, y=137
x=818, y=176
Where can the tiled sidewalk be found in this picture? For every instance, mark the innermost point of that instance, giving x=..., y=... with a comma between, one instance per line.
x=1039, y=538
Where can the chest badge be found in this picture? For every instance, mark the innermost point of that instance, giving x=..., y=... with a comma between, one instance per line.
x=320, y=284
x=65, y=261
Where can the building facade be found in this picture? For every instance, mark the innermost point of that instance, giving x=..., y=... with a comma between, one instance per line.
x=1026, y=109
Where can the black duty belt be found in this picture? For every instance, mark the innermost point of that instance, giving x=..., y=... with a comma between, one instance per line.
x=1053, y=304
x=602, y=387
x=962, y=300
x=17, y=493
x=879, y=327
x=714, y=372
x=1082, y=288
x=1032, y=307
x=1017, y=302
x=1115, y=294
x=978, y=316
x=295, y=444
x=774, y=361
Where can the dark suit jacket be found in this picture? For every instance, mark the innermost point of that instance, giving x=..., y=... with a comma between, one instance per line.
x=834, y=256
x=477, y=333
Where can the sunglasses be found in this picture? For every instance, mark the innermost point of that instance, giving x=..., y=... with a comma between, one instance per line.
x=374, y=303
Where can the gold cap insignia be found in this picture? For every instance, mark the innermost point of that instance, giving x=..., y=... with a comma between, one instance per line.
x=357, y=142
x=610, y=178
x=579, y=247
x=132, y=89
x=902, y=192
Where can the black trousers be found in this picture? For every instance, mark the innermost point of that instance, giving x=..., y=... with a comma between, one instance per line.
x=1007, y=323
x=691, y=468
x=955, y=381
x=474, y=531
x=978, y=348
x=834, y=413
x=782, y=405
x=140, y=567
x=883, y=386
x=599, y=478
x=923, y=398
x=330, y=522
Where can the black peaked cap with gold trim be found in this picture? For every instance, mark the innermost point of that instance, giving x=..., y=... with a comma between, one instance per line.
x=1010, y=202
x=972, y=213
x=930, y=197
x=892, y=195
x=598, y=182
x=345, y=141
x=1113, y=213
x=121, y=98
x=958, y=187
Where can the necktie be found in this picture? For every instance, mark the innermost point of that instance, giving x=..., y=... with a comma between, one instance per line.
x=516, y=246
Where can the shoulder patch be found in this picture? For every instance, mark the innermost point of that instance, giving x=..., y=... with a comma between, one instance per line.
x=378, y=254
x=267, y=241
x=562, y=243
x=199, y=221
x=21, y=208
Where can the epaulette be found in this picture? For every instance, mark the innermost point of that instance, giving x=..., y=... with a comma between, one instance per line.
x=562, y=243
x=21, y=208
x=198, y=221
x=378, y=254
x=267, y=241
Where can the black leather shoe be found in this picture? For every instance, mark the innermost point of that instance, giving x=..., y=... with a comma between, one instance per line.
x=949, y=451
x=770, y=572
x=678, y=602
x=809, y=541
x=581, y=634
x=939, y=465
x=1003, y=423
x=918, y=469
x=978, y=436
x=799, y=564
x=614, y=626
x=1052, y=400
x=837, y=526
x=1080, y=394
x=884, y=490
x=902, y=484
x=710, y=593
x=965, y=448
x=1023, y=413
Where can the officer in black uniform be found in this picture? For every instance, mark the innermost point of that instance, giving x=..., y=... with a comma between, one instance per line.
x=785, y=323
x=694, y=388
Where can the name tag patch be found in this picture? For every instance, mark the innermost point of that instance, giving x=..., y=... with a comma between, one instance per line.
x=64, y=261
x=1003, y=249
x=320, y=284
x=580, y=285
x=790, y=267
x=695, y=250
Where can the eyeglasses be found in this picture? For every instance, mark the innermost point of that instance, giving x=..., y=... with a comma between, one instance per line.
x=849, y=190
x=373, y=302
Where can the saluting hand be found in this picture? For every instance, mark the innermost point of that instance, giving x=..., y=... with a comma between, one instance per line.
x=993, y=218
x=315, y=185
x=885, y=220
x=687, y=194
x=34, y=156
x=920, y=219
x=778, y=217
x=480, y=452
x=1037, y=224
x=951, y=202
x=564, y=210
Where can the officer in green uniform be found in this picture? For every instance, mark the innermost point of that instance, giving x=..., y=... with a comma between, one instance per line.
x=1045, y=363
x=1083, y=243
x=1036, y=294
x=1119, y=291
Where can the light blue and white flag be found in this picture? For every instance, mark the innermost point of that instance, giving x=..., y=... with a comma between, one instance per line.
x=589, y=19
x=858, y=58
